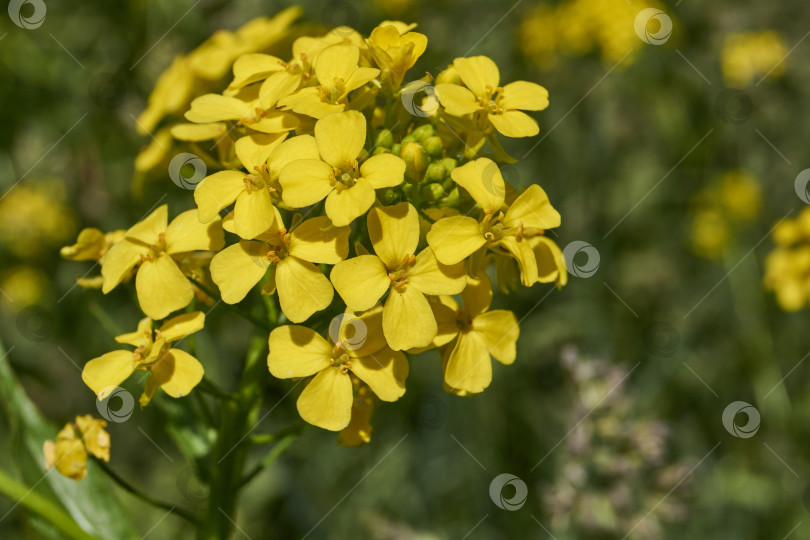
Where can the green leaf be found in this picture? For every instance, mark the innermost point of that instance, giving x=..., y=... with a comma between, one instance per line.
x=90, y=502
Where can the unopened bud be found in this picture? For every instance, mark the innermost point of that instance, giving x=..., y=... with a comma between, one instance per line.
x=384, y=139
x=416, y=162
x=432, y=192
x=423, y=132
x=433, y=146
x=435, y=172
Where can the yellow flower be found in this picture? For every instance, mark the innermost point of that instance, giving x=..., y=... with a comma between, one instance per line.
x=338, y=73
x=749, y=55
x=68, y=454
x=173, y=370
x=455, y=238
x=96, y=439
x=263, y=156
x=358, y=432
x=471, y=334
x=302, y=288
x=161, y=286
x=347, y=185
x=91, y=245
x=482, y=95
x=326, y=402
x=407, y=319
x=395, y=51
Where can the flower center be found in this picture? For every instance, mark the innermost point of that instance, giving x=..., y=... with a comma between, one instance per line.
x=464, y=321
x=492, y=103
x=280, y=250
x=399, y=276
x=331, y=93
x=340, y=359
x=345, y=175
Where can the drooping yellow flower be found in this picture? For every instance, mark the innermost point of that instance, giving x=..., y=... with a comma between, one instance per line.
x=471, y=333
x=347, y=185
x=96, y=440
x=289, y=255
x=500, y=106
x=152, y=243
x=91, y=245
x=67, y=454
x=358, y=432
x=395, y=51
x=338, y=74
x=326, y=402
x=361, y=281
x=455, y=238
x=256, y=191
x=173, y=370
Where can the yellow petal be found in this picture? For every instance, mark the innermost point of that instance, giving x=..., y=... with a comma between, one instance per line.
x=94, y=437
x=275, y=122
x=237, y=268
x=104, y=373
x=148, y=229
x=479, y=73
x=326, y=402
x=455, y=238
x=216, y=108
x=384, y=371
x=444, y=311
x=345, y=205
x=533, y=209
x=119, y=261
x=483, y=181
x=88, y=247
x=456, y=100
x=469, y=367
x=340, y=137
x=550, y=261
x=361, y=76
x=336, y=62
x=217, y=191
x=302, y=289
x=522, y=252
x=277, y=86
x=253, y=150
x=394, y=232
x=408, y=320
x=177, y=373
x=251, y=68
x=431, y=277
x=186, y=233
x=253, y=213
x=162, y=287
x=198, y=132
x=141, y=336
x=477, y=295
x=297, y=351
x=514, y=124
x=360, y=281
x=318, y=240
x=383, y=170
x=526, y=96
x=300, y=147
x=182, y=326
x=360, y=334
x=307, y=101
x=499, y=330
x=305, y=182
x=358, y=431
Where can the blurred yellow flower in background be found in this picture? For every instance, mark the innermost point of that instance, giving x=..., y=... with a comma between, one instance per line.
x=722, y=207
x=787, y=267
x=69, y=453
x=750, y=55
x=34, y=218
x=23, y=286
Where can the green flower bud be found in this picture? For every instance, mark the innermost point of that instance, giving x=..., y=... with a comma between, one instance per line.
x=452, y=198
x=408, y=139
x=434, y=146
x=384, y=139
x=449, y=164
x=416, y=162
x=435, y=172
x=423, y=132
x=396, y=149
x=389, y=196
x=432, y=192
x=380, y=150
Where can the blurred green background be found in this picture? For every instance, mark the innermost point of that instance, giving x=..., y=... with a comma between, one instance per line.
x=612, y=414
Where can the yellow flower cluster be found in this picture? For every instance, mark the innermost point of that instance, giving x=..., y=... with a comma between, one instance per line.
x=579, y=27
x=729, y=201
x=787, y=267
x=34, y=218
x=69, y=453
x=752, y=55
x=332, y=177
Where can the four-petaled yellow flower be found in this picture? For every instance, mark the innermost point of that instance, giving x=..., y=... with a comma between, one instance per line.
x=358, y=348
x=338, y=73
x=302, y=288
x=470, y=334
x=173, y=370
x=69, y=453
x=347, y=185
x=408, y=321
x=455, y=238
x=263, y=156
x=395, y=52
x=161, y=286
x=497, y=105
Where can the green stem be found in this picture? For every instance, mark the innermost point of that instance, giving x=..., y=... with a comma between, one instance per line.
x=30, y=499
x=188, y=516
x=271, y=456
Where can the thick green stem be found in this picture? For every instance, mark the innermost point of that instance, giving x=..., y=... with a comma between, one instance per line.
x=227, y=462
